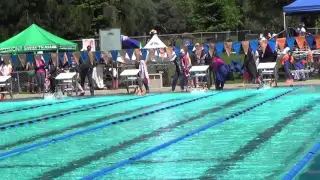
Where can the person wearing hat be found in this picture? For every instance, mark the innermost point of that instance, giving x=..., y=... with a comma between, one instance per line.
x=286, y=61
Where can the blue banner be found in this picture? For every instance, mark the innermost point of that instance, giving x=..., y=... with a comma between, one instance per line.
x=190, y=49
x=46, y=57
x=97, y=55
x=114, y=55
x=290, y=42
x=130, y=53
x=30, y=58
x=84, y=56
x=254, y=44
x=14, y=59
x=310, y=40
x=272, y=44
x=61, y=55
x=219, y=48
x=177, y=51
x=144, y=53
x=69, y=56
x=236, y=47
x=206, y=48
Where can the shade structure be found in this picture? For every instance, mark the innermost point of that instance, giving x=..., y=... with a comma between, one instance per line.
x=34, y=38
x=155, y=43
x=128, y=43
x=302, y=6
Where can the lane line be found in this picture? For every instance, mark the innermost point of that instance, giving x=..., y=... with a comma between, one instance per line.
x=108, y=151
x=40, y=119
x=19, y=109
x=83, y=124
x=164, y=145
x=92, y=129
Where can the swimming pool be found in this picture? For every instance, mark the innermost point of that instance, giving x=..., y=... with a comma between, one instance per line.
x=239, y=134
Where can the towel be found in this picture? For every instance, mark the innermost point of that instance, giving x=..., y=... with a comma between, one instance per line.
x=144, y=71
x=97, y=75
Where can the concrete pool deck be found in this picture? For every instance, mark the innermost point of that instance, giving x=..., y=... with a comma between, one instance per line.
x=229, y=86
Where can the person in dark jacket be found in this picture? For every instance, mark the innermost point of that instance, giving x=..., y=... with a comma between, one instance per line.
x=86, y=69
x=181, y=66
x=208, y=61
x=52, y=70
x=251, y=67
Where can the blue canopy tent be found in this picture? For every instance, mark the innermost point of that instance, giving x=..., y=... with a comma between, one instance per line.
x=301, y=7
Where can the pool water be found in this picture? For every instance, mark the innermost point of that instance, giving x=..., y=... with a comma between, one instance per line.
x=163, y=136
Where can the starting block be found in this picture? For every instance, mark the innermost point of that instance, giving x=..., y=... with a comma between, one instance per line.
x=67, y=81
x=268, y=71
x=6, y=84
x=201, y=73
x=131, y=77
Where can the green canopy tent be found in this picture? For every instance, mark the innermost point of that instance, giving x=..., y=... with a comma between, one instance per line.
x=34, y=38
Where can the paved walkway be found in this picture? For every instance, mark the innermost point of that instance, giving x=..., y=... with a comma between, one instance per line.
x=168, y=89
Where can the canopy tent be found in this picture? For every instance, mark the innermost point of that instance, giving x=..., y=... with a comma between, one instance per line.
x=155, y=43
x=128, y=43
x=34, y=38
x=300, y=7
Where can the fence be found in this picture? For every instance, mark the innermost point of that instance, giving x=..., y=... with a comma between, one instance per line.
x=193, y=37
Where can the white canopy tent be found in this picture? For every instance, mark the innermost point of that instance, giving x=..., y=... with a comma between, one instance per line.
x=155, y=43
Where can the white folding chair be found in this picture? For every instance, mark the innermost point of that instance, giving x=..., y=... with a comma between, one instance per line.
x=131, y=77
x=201, y=73
x=67, y=82
x=6, y=85
x=268, y=72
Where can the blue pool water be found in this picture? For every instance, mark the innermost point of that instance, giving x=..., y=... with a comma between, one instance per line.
x=213, y=135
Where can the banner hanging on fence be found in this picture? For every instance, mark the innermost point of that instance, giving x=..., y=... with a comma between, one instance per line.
x=88, y=42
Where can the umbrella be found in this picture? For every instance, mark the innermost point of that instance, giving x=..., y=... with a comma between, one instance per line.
x=128, y=43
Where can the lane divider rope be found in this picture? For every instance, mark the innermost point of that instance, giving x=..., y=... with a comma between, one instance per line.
x=302, y=163
x=166, y=144
x=88, y=130
x=37, y=106
x=19, y=124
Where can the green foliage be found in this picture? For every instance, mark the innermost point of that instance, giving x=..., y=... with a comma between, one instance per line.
x=74, y=19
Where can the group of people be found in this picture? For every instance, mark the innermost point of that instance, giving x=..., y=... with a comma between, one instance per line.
x=45, y=74
x=218, y=71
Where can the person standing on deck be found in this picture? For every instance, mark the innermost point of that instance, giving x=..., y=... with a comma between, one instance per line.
x=86, y=69
x=286, y=61
x=197, y=59
x=220, y=70
x=40, y=72
x=180, y=64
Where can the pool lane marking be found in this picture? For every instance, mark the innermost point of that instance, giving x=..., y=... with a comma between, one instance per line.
x=164, y=145
x=255, y=143
x=37, y=120
x=302, y=163
x=71, y=166
x=92, y=129
x=38, y=106
x=83, y=124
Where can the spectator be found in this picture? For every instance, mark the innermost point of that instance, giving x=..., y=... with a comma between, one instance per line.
x=86, y=69
x=52, y=74
x=286, y=61
x=75, y=68
x=40, y=72
x=197, y=59
x=31, y=76
x=181, y=71
x=5, y=70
